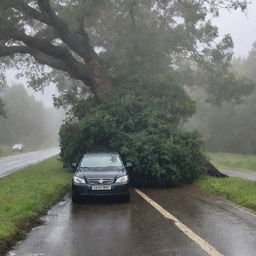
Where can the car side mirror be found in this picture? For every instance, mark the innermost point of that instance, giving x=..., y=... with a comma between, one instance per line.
x=74, y=165
x=129, y=165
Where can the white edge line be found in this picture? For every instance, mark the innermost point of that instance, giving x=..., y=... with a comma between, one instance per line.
x=186, y=230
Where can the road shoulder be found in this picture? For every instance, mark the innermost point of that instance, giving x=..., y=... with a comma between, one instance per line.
x=27, y=194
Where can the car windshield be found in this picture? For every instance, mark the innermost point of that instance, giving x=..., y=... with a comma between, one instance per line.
x=101, y=161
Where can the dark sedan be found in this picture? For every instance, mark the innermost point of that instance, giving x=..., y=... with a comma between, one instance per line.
x=101, y=174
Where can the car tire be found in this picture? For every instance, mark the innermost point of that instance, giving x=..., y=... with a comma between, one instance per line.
x=74, y=199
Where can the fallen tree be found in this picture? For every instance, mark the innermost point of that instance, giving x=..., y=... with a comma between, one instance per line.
x=213, y=171
x=138, y=127
x=134, y=56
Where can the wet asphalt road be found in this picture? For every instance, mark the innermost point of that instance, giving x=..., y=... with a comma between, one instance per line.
x=107, y=227
x=16, y=162
x=241, y=175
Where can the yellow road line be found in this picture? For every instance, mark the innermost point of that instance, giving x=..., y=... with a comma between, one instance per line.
x=186, y=230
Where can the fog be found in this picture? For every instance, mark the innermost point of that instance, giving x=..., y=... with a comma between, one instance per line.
x=28, y=121
x=44, y=96
x=240, y=25
x=43, y=131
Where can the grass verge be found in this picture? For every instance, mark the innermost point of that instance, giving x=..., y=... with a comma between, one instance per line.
x=27, y=194
x=6, y=151
x=243, y=163
x=239, y=191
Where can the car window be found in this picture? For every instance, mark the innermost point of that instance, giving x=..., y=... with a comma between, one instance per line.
x=101, y=161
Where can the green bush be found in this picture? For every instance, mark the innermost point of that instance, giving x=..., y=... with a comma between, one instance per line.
x=145, y=130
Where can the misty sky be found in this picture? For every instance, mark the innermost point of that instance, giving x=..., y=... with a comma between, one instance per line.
x=241, y=26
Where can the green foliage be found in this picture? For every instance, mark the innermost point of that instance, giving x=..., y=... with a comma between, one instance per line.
x=138, y=38
x=144, y=44
x=145, y=130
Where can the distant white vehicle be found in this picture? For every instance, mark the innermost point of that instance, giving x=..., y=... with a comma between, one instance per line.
x=18, y=148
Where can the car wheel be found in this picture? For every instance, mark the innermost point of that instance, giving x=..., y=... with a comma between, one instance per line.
x=74, y=199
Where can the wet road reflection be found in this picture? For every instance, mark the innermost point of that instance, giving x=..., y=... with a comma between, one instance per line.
x=106, y=227
x=230, y=229
x=110, y=227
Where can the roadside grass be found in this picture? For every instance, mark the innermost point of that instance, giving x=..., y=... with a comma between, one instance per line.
x=237, y=190
x=27, y=194
x=6, y=150
x=237, y=162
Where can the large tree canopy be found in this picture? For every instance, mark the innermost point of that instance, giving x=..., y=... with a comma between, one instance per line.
x=73, y=36
x=139, y=53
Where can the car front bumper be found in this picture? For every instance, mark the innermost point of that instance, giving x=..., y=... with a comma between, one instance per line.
x=86, y=190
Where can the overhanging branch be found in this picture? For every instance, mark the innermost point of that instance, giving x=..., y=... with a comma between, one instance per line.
x=28, y=10
x=7, y=51
x=78, y=42
x=75, y=71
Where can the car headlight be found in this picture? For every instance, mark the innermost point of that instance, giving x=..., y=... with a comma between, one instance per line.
x=122, y=179
x=78, y=180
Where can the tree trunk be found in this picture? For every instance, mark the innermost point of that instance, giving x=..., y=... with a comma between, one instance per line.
x=101, y=85
x=213, y=171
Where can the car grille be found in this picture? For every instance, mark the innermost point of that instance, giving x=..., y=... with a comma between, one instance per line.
x=101, y=181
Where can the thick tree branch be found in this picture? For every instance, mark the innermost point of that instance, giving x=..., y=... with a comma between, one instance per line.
x=55, y=21
x=59, y=52
x=60, y=57
x=28, y=10
x=7, y=51
x=78, y=42
x=75, y=71
x=47, y=34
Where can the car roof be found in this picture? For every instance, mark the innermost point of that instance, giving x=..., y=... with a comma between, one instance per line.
x=101, y=153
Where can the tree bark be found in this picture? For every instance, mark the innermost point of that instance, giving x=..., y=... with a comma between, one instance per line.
x=214, y=172
x=102, y=87
x=86, y=66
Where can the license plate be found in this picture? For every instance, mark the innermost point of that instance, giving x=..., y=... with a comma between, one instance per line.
x=101, y=187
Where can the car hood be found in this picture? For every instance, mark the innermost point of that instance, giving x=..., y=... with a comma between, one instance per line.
x=105, y=172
